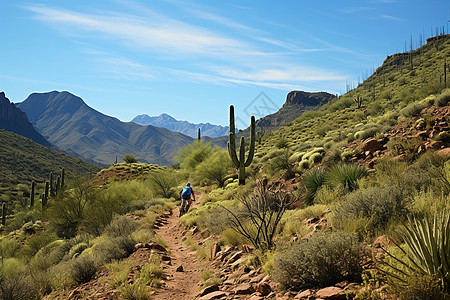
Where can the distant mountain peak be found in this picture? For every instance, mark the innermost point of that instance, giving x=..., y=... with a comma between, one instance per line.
x=167, y=121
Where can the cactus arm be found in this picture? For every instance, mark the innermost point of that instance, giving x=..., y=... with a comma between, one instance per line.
x=232, y=151
x=251, y=150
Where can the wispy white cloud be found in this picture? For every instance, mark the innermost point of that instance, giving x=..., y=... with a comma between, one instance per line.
x=247, y=63
x=390, y=18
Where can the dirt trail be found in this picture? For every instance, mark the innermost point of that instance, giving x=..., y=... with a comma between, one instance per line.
x=179, y=285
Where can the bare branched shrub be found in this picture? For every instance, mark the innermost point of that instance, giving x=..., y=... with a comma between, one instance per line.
x=260, y=214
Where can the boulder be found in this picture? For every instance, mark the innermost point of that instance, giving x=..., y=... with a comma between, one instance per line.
x=155, y=246
x=445, y=152
x=209, y=289
x=214, y=295
x=331, y=293
x=372, y=144
x=244, y=289
x=180, y=269
x=304, y=295
x=263, y=288
x=214, y=250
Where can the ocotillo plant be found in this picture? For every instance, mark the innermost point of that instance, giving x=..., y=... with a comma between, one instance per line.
x=198, y=135
x=4, y=213
x=33, y=187
x=241, y=163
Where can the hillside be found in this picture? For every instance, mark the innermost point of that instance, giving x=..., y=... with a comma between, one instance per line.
x=184, y=127
x=391, y=95
x=14, y=120
x=297, y=103
x=65, y=120
x=24, y=160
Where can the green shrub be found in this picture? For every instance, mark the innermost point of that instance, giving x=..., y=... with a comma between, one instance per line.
x=304, y=164
x=378, y=206
x=443, y=98
x=413, y=109
x=130, y=158
x=322, y=260
x=192, y=155
x=215, y=168
x=83, y=268
x=313, y=180
x=163, y=183
x=121, y=226
x=280, y=164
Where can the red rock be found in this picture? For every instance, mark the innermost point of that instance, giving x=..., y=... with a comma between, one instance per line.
x=436, y=145
x=263, y=288
x=214, y=295
x=214, y=250
x=155, y=246
x=331, y=293
x=421, y=134
x=209, y=289
x=244, y=289
x=372, y=144
x=304, y=295
x=312, y=221
x=445, y=152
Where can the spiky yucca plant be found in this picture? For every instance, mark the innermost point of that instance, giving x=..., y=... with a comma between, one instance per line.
x=346, y=175
x=314, y=179
x=426, y=250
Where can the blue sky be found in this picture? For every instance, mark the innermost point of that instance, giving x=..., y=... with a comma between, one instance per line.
x=192, y=59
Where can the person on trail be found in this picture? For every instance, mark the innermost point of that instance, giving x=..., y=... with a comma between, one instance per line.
x=186, y=199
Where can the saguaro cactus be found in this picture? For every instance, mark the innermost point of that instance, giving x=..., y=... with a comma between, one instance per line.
x=62, y=177
x=4, y=213
x=46, y=190
x=241, y=163
x=33, y=187
x=50, y=179
x=198, y=135
x=359, y=100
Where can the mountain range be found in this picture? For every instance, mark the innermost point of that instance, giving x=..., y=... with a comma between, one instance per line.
x=68, y=122
x=15, y=120
x=184, y=127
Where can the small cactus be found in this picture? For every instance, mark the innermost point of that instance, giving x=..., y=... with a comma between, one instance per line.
x=4, y=213
x=241, y=163
x=33, y=187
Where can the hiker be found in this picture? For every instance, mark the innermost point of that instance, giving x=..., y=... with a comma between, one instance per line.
x=185, y=195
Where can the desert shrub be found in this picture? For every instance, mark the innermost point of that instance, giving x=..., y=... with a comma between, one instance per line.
x=83, y=268
x=443, y=98
x=304, y=164
x=259, y=216
x=163, y=183
x=9, y=247
x=215, y=168
x=35, y=242
x=78, y=249
x=296, y=157
x=316, y=158
x=376, y=205
x=272, y=154
x=280, y=164
x=120, y=226
x=130, y=158
x=192, y=155
x=16, y=286
x=413, y=109
x=322, y=260
x=282, y=143
x=113, y=248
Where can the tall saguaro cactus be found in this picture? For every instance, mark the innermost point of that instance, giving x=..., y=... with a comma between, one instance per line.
x=33, y=187
x=4, y=213
x=241, y=163
x=62, y=177
x=198, y=135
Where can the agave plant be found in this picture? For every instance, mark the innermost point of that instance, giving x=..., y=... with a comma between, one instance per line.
x=346, y=175
x=314, y=179
x=426, y=250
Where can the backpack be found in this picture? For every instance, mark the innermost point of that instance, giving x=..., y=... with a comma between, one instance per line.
x=186, y=193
